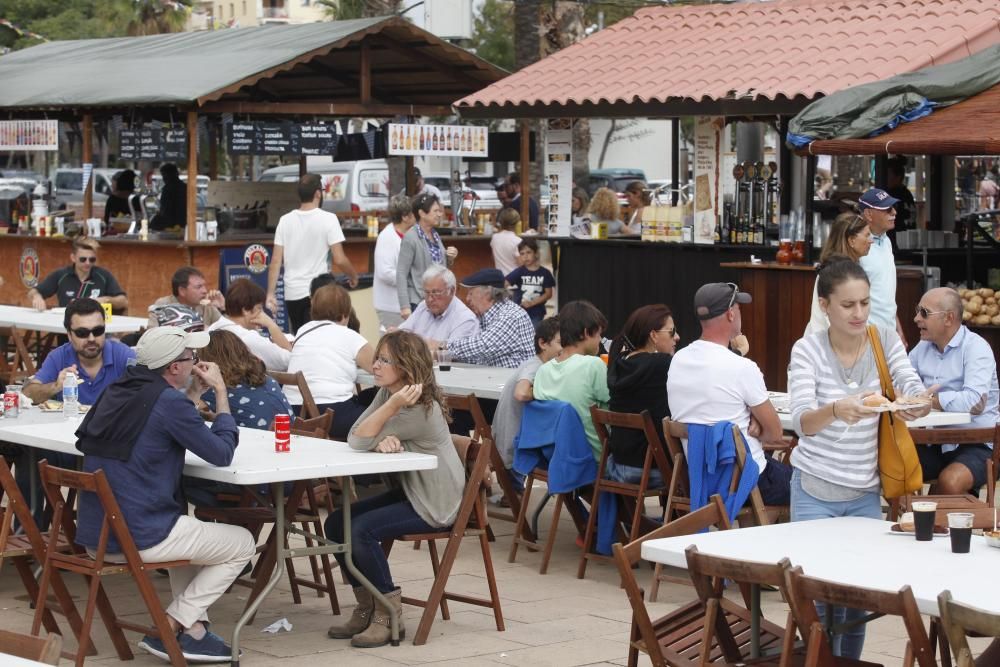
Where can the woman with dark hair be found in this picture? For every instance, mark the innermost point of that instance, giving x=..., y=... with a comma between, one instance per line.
x=637, y=380
x=122, y=201
x=245, y=317
x=254, y=395
x=851, y=238
x=329, y=355
x=408, y=414
x=421, y=246
x=635, y=195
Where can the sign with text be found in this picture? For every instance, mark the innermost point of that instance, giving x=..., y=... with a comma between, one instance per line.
x=707, y=160
x=559, y=171
x=29, y=135
x=445, y=140
x=151, y=143
x=283, y=138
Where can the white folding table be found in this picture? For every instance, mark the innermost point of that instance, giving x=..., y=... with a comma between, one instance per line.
x=854, y=551
x=51, y=321
x=256, y=462
x=483, y=381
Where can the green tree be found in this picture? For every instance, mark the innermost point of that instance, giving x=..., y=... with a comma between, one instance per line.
x=154, y=17
x=67, y=19
x=492, y=33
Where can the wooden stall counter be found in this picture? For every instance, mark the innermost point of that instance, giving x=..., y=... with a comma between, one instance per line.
x=144, y=268
x=782, y=305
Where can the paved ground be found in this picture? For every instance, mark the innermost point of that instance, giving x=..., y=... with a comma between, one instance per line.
x=553, y=620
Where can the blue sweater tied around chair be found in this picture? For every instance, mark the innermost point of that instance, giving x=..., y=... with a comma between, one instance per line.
x=711, y=457
x=552, y=438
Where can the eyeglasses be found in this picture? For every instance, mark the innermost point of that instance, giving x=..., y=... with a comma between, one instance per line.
x=97, y=332
x=436, y=293
x=193, y=358
x=732, y=299
x=382, y=361
x=87, y=260
x=924, y=313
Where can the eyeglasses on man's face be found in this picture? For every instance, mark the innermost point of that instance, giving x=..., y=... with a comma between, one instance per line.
x=193, y=359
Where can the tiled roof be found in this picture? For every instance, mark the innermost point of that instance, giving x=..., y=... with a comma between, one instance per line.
x=790, y=49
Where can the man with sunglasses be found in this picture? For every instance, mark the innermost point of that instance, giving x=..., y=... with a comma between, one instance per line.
x=81, y=279
x=959, y=368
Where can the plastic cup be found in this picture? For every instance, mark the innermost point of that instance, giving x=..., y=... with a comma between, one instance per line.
x=960, y=527
x=444, y=360
x=924, y=513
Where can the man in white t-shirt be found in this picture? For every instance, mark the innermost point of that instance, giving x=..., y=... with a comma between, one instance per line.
x=709, y=383
x=302, y=241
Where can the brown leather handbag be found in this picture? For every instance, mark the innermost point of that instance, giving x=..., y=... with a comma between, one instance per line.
x=898, y=463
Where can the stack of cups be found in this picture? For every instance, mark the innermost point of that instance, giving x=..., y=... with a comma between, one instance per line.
x=282, y=433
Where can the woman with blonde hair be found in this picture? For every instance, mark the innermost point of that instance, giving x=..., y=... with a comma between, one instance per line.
x=850, y=237
x=407, y=415
x=604, y=208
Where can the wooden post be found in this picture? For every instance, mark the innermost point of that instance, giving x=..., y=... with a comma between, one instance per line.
x=88, y=158
x=411, y=182
x=524, y=169
x=365, y=83
x=303, y=166
x=192, y=174
x=675, y=160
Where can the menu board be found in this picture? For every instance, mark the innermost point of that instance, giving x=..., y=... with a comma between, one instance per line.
x=282, y=138
x=34, y=135
x=149, y=143
x=447, y=140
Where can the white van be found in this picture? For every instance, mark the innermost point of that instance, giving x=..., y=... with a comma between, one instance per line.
x=347, y=186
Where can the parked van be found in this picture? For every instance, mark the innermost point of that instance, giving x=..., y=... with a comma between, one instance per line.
x=347, y=186
x=68, y=186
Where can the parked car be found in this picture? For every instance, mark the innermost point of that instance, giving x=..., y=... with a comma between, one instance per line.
x=616, y=179
x=347, y=186
x=68, y=187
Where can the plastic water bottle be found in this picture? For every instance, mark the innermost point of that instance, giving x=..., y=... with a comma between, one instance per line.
x=71, y=396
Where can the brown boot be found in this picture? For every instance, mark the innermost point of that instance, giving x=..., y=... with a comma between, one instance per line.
x=378, y=633
x=360, y=619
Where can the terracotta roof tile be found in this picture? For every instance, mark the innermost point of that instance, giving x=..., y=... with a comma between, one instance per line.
x=782, y=48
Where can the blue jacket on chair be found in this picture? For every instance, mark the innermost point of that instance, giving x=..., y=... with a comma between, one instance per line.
x=711, y=457
x=552, y=438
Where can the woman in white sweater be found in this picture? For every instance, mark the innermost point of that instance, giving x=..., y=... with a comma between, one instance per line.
x=384, y=294
x=836, y=461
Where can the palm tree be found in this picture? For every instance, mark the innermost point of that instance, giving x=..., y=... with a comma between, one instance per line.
x=153, y=17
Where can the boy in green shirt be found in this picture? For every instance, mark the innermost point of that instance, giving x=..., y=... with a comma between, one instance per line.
x=577, y=376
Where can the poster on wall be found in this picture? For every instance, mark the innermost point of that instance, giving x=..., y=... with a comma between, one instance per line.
x=29, y=135
x=707, y=162
x=559, y=172
x=442, y=140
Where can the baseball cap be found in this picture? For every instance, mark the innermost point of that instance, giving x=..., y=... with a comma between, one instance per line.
x=877, y=199
x=178, y=315
x=713, y=299
x=485, y=278
x=161, y=345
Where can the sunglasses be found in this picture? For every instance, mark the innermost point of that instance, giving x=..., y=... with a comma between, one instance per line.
x=924, y=313
x=82, y=332
x=87, y=260
x=193, y=358
x=669, y=332
x=732, y=299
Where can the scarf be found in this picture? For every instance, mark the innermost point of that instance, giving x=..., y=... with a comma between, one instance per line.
x=434, y=245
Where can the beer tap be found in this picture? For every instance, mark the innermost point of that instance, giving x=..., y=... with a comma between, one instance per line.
x=739, y=204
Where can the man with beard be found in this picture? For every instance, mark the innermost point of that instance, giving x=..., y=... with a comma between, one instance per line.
x=95, y=360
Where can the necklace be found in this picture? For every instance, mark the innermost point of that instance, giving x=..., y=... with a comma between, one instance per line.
x=847, y=373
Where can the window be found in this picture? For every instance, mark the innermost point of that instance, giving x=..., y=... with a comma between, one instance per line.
x=232, y=10
x=244, y=7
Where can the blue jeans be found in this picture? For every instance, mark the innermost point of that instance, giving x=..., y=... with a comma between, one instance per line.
x=620, y=472
x=806, y=508
x=382, y=517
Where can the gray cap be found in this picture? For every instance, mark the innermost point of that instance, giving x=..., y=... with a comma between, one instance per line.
x=714, y=299
x=161, y=345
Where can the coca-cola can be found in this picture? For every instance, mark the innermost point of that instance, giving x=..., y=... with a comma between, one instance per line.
x=12, y=401
x=282, y=433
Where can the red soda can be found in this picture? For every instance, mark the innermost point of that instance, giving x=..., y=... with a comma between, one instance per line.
x=282, y=433
x=11, y=403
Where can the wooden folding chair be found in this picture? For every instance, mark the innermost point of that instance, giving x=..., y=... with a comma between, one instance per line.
x=309, y=409
x=726, y=635
x=675, y=638
x=471, y=521
x=655, y=456
x=754, y=513
x=804, y=592
x=958, y=619
x=96, y=568
x=44, y=650
x=29, y=546
x=21, y=363
x=483, y=431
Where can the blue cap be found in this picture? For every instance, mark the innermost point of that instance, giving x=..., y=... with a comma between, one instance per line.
x=877, y=199
x=485, y=278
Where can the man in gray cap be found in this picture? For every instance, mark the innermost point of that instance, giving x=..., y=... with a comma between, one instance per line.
x=708, y=383
x=506, y=336
x=138, y=432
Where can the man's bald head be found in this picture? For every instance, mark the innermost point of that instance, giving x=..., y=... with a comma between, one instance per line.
x=946, y=298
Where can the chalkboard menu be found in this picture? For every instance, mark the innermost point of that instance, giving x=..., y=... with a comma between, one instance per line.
x=149, y=143
x=282, y=138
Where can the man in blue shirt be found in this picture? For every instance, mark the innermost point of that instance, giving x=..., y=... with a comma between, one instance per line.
x=141, y=452
x=95, y=360
x=959, y=368
x=878, y=208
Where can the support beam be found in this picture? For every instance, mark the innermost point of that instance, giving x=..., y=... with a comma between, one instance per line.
x=525, y=172
x=213, y=151
x=784, y=169
x=411, y=54
x=411, y=181
x=192, y=175
x=326, y=109
x=303, y=165
x=675, y=160
x=810, y=198
x=365, y=75
x=87, y=154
